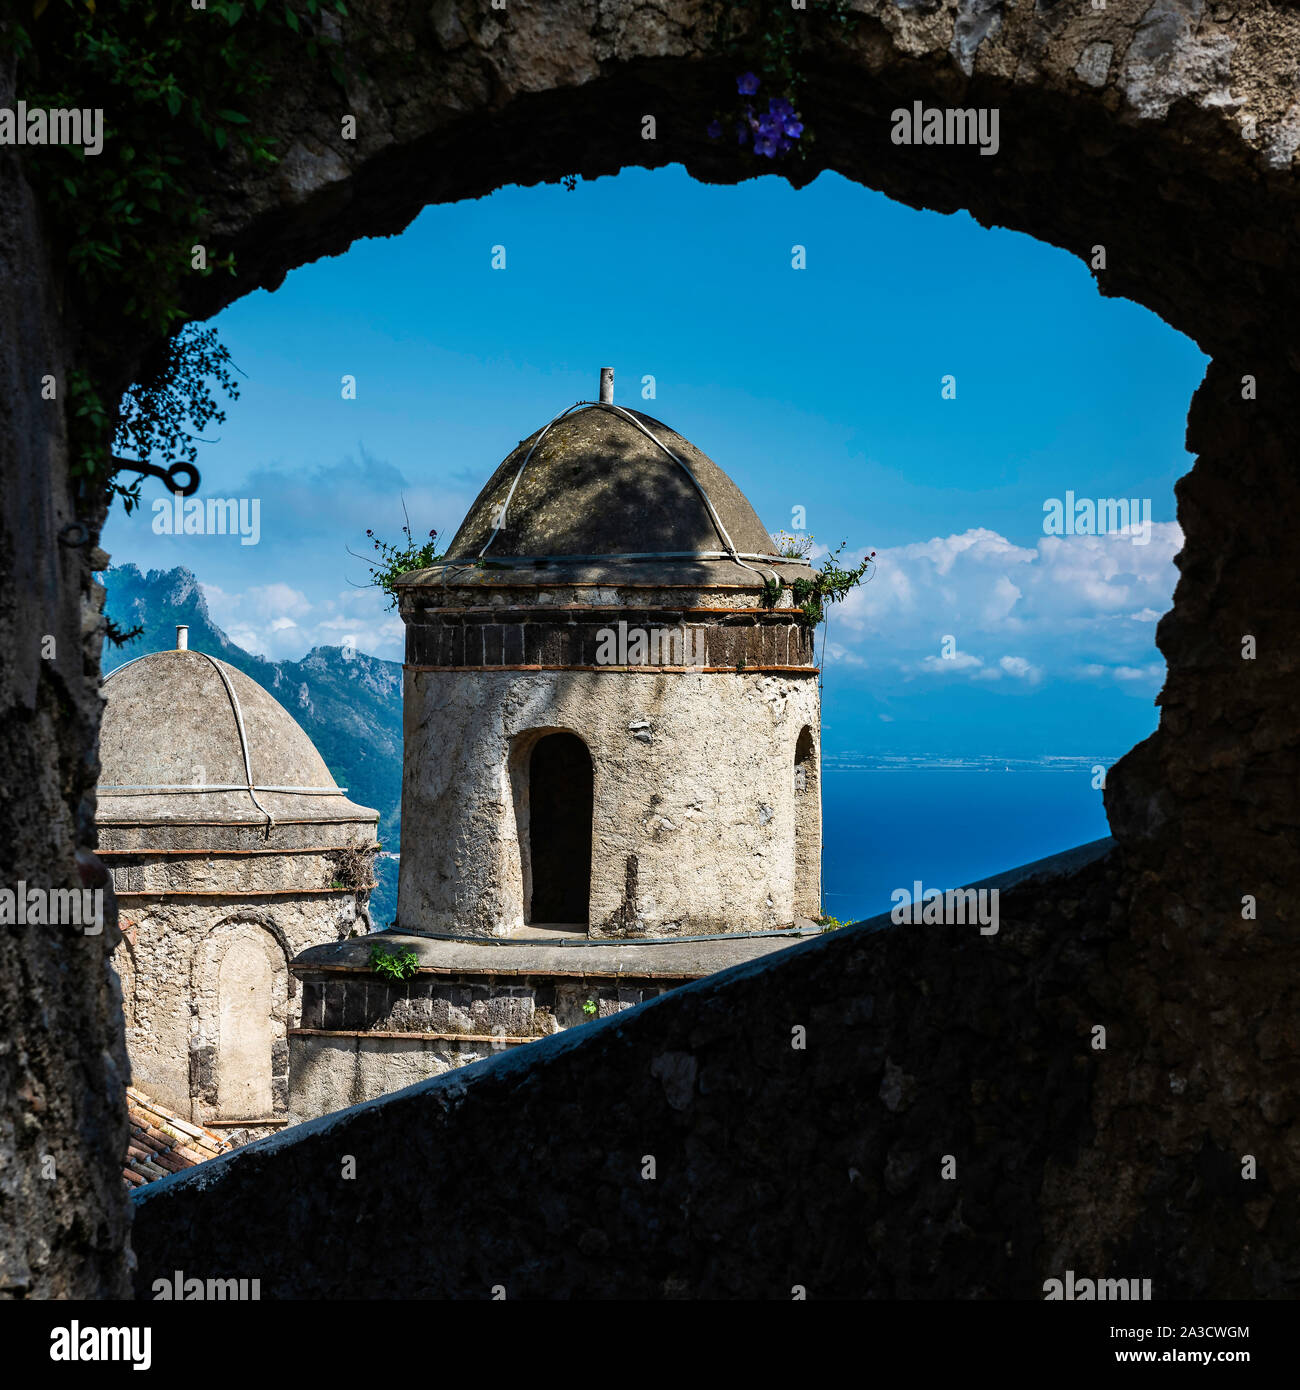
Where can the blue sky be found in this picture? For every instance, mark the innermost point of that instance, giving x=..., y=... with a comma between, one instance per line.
x=818, y=388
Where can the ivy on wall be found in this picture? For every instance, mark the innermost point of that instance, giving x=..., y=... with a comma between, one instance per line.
x=126, y=225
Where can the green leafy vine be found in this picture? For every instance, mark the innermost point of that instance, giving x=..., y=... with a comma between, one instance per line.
x=830, y=584
x=394, y=559
x=175, y=85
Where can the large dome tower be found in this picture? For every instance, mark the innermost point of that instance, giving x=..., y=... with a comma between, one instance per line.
x=611, y=700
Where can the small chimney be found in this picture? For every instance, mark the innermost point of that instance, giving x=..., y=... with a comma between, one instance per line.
x=607, y=385
x=182, y=637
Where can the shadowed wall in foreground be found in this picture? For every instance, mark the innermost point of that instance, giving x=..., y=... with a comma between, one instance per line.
x=774, y=1165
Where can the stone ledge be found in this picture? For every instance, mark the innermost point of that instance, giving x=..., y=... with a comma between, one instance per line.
x=621, y=959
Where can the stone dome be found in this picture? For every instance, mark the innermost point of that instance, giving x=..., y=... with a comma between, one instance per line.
x=607, y=494
x=187, y=737
x=597, y=484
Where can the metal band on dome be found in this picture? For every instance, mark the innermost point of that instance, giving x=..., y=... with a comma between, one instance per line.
x=217, y=787
x=125, y=664
x=243, y=737
x=731, y=553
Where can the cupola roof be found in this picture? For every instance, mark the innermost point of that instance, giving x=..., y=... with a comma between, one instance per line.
x=187, y=737
x=616, y=494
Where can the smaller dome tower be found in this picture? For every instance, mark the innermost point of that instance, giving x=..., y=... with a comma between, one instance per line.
x=231, y=849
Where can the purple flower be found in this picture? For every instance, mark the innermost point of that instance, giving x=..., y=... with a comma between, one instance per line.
x=780, y=106
x=764, y=144
x=747, y=84
x=768, y=128
x=793, y=126
x=715, y=130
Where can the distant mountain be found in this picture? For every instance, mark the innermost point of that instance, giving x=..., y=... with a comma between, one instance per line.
x=351, y=709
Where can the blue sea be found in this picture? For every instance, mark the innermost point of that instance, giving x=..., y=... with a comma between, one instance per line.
x=885, y=826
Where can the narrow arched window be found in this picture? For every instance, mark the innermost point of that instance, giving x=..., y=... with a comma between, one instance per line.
x=807, y=828
x=560, y=799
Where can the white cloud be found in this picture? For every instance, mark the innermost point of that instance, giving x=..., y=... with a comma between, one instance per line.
x=282, y=623
x=1021, y=669
x=946, y=665
x=1153, y=672
x=836, y=652
x=1082, y=607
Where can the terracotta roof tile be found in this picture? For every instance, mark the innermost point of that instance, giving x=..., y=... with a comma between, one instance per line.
x=162, y=1143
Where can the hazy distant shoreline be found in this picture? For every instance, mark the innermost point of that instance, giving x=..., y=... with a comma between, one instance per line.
x=1048, y=762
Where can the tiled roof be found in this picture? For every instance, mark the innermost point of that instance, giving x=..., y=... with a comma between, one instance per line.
x=162, y=1143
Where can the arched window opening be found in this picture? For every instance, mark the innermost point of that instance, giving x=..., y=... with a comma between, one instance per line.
x=560, y=802
x=807, y=828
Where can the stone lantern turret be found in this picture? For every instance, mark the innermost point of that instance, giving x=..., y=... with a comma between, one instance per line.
x=612, y=715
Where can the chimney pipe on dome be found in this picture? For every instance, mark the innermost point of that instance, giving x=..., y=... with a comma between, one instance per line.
x=607, y=385
x=182, y=637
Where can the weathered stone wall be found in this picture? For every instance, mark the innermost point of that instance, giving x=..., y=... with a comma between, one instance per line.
x=62, y=1064
x=694, y=796
x=799, y=1112
x=362, y=1036
x=528, y=637
x=172, y=954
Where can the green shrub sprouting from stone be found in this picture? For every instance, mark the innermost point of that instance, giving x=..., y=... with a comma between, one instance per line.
x=829, y=584
x=394, y=560
x=590, y=1008
x=393, y=965
x=828, y=923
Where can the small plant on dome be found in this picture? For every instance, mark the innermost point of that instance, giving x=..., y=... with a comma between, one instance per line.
x=830, y=584
x=791, y=545
x=590, y=1008
x=393, y=965
x=396, y=559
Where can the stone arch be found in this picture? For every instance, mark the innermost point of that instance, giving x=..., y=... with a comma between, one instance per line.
x=555, y=765
x=1155, y=136
x=239, y=1044
x=807, y=826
